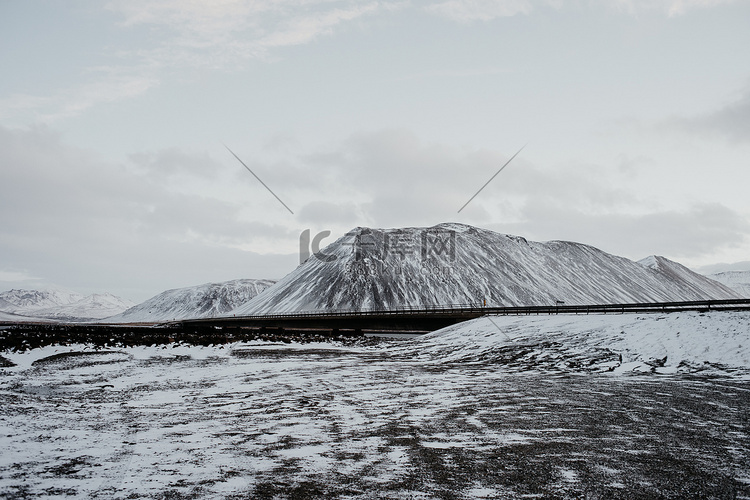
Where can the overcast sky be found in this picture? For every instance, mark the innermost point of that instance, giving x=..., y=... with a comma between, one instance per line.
x=113, y=118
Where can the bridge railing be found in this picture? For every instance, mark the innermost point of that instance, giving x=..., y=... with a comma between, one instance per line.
x=474, y=310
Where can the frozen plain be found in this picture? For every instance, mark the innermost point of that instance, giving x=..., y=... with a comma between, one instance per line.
x=501, y=407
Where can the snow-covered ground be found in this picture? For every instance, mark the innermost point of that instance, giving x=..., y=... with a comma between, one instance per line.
x=500, y=407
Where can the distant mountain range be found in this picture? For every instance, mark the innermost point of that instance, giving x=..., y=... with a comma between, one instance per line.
x=29, y=300
x=443, y=265
x=61, y=305
x=202, y=301
x=454, y=264
x=739, y=281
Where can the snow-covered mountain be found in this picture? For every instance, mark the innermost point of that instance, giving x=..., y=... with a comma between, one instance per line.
x=62, y=305
x=452, y=264
x=202, y=301
x=5, y=305
x=739, y=281
x=673, y=271
x=95, y=306
x=31, y=300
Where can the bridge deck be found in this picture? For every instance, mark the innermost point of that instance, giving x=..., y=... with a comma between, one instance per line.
x=308, y=325
x=430, y=319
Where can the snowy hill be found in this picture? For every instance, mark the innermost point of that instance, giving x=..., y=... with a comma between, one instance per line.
x=62, y=305
x=95, y=306
x=662, y=343
x=30, y=300
x=459, y=264
x=202, y=301
x=672, y=271
x=739, y=281
x=7, y=317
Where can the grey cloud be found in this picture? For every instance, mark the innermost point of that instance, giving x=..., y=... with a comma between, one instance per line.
x=401, y=174
x=108, y=84
x=137, y=270
x=367, y=166
x=64, y=192
x=699, y=231
x=323, y=212
x=223, y=35
x=723, y=267
x=207, y=35
x=396, y=163
x=389, y=176
x=283, y=176
x=465, y=11
x=669, y=7
x=731, y=121
x=69, y=217
x=376, y=178
x=189, y=217
x=392, y=178
x=172, y=161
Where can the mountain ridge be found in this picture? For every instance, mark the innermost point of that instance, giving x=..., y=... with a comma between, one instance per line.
x=200, y=301
x=670, y=269
x=459, y=264
x=60, y=304
x=739, y=281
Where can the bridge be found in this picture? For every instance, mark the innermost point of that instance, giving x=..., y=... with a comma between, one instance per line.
x=423, y=320
x=310, y=325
